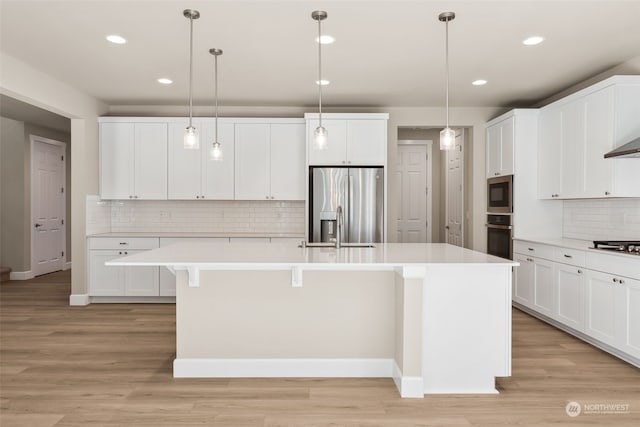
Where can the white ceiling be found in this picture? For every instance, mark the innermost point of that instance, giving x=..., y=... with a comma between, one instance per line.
x=387, y=53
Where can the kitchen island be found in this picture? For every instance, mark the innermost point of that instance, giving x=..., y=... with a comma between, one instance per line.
x=434, y=317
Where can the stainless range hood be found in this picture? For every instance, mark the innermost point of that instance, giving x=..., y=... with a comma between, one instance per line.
x=630, y=149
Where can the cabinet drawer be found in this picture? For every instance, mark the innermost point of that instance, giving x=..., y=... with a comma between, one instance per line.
x=617, y=265
x=124, y=243
x=533, y=249
x=569, y=256
x=165, y=241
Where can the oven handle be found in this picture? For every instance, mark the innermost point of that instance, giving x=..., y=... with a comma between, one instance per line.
x=501, y=227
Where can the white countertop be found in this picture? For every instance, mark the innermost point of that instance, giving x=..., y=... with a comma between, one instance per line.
x=197, y=234
x=258, y=255
x=585, y=245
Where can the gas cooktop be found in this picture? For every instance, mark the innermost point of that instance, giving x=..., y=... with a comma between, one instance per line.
x=628, y=246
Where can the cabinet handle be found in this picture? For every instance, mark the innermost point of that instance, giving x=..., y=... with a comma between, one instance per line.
x=568, y=256
x=267, y=197
x=126, y=253
x=202, y=197
x=579, y=271
x=615, y=280
x=197, y=197
x=272, y=197
x=606, y=193
x=530, y=259
x=531, y=249
x=343, y=162
x=120, y=253
x=496, y=173
x=131, y=197
x=621, y=281
x=123, y=243
x=135, y=197
x=349, y=162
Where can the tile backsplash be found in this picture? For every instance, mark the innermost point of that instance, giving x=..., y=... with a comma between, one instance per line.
x=610, y=219
x=98, y=215
x=172, y=216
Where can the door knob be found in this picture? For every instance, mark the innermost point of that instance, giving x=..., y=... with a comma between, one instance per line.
x=446, y=227
x=38, y=225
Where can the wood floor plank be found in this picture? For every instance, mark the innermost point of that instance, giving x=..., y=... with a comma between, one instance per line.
x=111, y=365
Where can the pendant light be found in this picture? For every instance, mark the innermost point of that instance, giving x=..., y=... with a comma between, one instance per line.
x=320, y=135
x=215, y=153
x=191, y=136
x=447, y=135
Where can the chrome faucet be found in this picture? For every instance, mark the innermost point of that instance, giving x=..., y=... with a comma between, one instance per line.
x=339, y=221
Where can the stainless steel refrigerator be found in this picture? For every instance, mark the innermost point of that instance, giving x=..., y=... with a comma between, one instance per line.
x=360, y=194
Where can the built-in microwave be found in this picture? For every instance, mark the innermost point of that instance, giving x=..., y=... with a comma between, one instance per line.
x=500, y=194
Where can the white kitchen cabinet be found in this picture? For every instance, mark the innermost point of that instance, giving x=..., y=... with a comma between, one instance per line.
x=500, y=147
x=524, y=278
x=604, y=303
x=356, y=140
x=630, y=315
x=570, y=289
x=269, y=162
x=111, y=281
x=133, y=160
x=252, y=162
x=287, y=154
x=543, y=287
x=185, y=166
x=575, y=133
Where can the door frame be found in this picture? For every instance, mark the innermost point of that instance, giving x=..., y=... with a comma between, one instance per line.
x=429, y=145
x=33, y=140
x=462, y=133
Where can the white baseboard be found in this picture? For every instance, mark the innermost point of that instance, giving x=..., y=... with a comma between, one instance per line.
x=21, y=275
x=279, y=368
x=79, y=299
x=408, y=386
x=66, y=266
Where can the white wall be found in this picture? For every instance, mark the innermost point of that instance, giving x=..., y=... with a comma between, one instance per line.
x=27, y=84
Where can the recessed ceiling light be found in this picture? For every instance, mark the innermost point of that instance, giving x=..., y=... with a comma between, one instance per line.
x=114, y=38
x=322, y=82
x=479, y=82
x=165, y=81
x=326, y=39
x=533, y=40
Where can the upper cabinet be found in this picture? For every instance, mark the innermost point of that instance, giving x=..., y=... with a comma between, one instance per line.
x=133, y=160
x=500, y=145
x=353, y=139
x=269, y=163
x=575, y=133
x=192, y=175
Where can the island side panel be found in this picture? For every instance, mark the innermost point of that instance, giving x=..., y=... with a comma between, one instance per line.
x=257, y=315
x=467, y=327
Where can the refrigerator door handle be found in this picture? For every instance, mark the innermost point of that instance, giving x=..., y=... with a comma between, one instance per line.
x=347, y=209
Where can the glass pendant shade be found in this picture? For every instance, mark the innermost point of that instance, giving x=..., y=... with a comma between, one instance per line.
x=191, y=138
x=447, y=139
x=320, y=136
x=215, y=153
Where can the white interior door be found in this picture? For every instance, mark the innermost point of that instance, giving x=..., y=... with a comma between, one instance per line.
x=455, y=190
x=413, y=180
x=47, y=206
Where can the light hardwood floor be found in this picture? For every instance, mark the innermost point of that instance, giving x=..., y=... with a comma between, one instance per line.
x=110, y=365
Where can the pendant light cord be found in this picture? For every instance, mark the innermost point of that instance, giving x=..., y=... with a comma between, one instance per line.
x=190, y=70
x=215, y=85
x=447, y=67
x=319, y=73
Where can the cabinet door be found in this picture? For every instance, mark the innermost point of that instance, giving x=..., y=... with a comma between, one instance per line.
x=549, y=141
x=603, y=302
x=287, y=161
x=184, y=165
x=105, y=280
x=218, y=176
x=543, y=294
x=336, y=151
x=506, y=149
x=141, y=281
x=629, y=310
x=598, y=172
x=572, y=150
x=366, y=142
x=569, y=285
x=252, y=162
x=167, y=283
x=150, y=180
x=523, y=285
x=493, y=150
x=117, y=160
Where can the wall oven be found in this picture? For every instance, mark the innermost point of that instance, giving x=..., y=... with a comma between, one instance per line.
x=500, y=194
x=499, y=238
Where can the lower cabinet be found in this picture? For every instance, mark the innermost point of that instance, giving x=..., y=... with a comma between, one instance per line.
x=602, y=305
x=120, y=281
